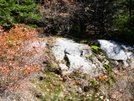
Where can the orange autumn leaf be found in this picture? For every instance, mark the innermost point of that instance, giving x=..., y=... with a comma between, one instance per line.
x=13, y=67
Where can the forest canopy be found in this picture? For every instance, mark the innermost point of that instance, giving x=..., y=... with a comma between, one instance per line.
x=97, y=18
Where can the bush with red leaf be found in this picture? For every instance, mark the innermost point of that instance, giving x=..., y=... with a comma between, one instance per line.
x=16, y=53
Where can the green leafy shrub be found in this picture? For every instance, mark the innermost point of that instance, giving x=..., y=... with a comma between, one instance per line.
x=12, y=11
x=95, y=47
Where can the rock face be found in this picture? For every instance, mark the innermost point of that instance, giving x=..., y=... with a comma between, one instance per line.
x=118, y=51
x=74, y=56
x=38, y=48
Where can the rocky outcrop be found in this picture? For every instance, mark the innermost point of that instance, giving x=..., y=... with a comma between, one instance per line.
x=76, y=57
x=71, y=56
x=118, y=51
x=67, y=56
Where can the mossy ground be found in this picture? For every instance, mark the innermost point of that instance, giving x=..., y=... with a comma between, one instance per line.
x=117, y=86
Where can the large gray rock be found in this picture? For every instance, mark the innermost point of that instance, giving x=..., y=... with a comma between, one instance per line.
x=65, y=46
x=118, y=51
x=77, y=57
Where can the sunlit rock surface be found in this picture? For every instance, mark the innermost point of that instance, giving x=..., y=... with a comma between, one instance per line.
x=77, y=57
x=118, y=51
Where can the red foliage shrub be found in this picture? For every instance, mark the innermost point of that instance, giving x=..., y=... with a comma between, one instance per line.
x=15, y=50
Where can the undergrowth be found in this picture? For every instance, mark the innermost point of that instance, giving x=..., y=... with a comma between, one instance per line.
x=14, y=54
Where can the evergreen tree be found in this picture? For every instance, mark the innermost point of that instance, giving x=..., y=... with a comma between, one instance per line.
x=18, y=11
x=124, y=21
x=102, y=15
